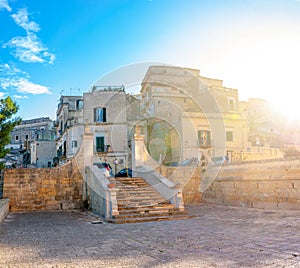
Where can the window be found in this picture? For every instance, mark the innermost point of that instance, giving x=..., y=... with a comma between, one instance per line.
x=100, y=114
x=79, y=104
x=229, y=136
x=100, y=144
x=74, y=144
x=204, y=138
x=61, y=127
x=231, y=104
x=26, y=137
x=16, y=138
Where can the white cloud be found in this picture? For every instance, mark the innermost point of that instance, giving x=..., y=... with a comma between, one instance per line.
x=23, y=85
x=20, y=97
x=4, y=5
x=12, y=78
x=21, y=19
x=30, y=49
x=2, y=94
x=8, y=70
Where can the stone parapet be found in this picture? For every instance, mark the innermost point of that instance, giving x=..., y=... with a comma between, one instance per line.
x=270, y=185
x=4, y=208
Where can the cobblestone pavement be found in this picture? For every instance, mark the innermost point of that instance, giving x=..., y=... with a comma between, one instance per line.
x=216, y=237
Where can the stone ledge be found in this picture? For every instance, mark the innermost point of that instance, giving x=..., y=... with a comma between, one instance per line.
x=4, y=208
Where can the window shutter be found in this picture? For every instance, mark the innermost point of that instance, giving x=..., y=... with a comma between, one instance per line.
x=208, y=138
x=95, y=114
x=104, y=114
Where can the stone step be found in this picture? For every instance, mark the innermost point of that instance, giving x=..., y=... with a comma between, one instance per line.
x=132, y=193
x=147, y=210
x=148, y=214
x=137, y=193
x=140, y=200
x=130, y=180
x=135, y=189
x=135, y=199
x=149, y=219
x=143, y=207
x=137, y=204
x=129, y=186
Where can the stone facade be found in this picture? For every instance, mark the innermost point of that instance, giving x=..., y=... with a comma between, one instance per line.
x=105, y=115
x=23, y=136
x=43, y=188
x=69, y=116
x=188, y=178
x=42, y=153
x=267, y=184
x=194, y=115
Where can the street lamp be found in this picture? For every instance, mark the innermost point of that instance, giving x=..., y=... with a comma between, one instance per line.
x=116, y=162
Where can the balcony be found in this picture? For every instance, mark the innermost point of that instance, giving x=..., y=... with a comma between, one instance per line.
x=103, y=149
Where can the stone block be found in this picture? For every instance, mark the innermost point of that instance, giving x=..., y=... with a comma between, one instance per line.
x=289, y=205
x=264, y=205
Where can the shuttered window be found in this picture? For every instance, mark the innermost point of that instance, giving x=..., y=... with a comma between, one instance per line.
x=204, y=138
x=100, y=115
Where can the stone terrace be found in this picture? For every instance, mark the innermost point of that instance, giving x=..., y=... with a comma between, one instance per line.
x=216, y=237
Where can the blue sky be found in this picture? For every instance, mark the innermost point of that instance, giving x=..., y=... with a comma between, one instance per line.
x=51, y=47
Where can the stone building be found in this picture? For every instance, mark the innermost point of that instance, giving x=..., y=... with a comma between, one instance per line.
x=70, y=126
x=42, y=153
x=184, y=116
x=190, y=114
x=38, y=130
x=105, y=115
x=265, y=126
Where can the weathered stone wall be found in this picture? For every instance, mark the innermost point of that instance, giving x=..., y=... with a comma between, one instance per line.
x=268, y=184
x=4, y=207
x=95, y=193
x=43, y=188
x=188, y=177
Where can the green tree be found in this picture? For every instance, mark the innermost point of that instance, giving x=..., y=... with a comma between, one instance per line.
x=8, y=108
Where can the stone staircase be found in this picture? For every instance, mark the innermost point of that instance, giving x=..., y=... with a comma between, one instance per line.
x=139, y=202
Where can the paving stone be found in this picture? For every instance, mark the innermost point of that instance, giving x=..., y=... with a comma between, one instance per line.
x=216, y=237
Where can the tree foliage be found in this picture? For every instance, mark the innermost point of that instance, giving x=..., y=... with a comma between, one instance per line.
x=8, y=108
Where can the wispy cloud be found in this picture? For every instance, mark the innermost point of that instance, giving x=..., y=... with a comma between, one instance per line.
x=7, y=70
x=12, y=78
x=22, y=20
x=23, y=85
x=4, y=5
x=29, y=48
x=20, y=97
